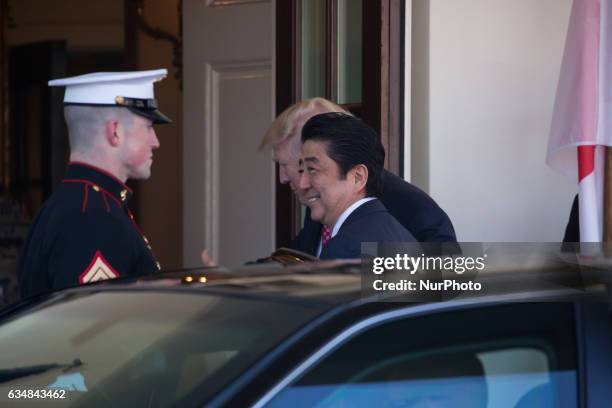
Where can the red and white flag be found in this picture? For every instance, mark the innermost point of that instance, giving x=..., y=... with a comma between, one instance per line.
x=582, y=119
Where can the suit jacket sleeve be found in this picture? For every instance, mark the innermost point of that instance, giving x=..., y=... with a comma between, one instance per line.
x=308, y=238
x=416, y=210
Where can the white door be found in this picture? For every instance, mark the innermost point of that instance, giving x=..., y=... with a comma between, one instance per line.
x=228, y=104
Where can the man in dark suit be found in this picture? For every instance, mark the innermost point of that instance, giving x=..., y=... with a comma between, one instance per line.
x=341, y=177
x=411, y=206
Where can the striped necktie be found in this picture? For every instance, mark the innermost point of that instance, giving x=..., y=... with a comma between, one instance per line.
x=325, y=235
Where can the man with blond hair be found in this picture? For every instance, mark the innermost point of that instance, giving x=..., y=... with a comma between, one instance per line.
x=284, y=137
x=411, y=206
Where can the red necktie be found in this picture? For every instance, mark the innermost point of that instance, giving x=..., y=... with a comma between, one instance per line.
x=325, y=235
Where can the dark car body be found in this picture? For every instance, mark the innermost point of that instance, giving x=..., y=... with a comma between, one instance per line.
x=306, y=336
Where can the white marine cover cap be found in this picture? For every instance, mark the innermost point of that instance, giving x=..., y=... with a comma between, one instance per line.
x=132, y=90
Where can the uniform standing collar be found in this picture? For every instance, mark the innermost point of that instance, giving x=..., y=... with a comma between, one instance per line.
x=87, y=173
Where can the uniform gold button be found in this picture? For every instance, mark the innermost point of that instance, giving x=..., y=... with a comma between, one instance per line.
x=145, y=239
x=158, y=266
x=123, y=195
x=149, y=247
x=96, y=188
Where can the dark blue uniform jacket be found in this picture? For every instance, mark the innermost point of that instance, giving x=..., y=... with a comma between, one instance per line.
x=83, y=233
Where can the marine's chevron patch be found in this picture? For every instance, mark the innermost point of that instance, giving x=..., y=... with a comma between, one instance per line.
x=99, y=269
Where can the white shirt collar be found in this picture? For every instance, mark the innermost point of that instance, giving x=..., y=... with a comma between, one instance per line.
x=348, y=212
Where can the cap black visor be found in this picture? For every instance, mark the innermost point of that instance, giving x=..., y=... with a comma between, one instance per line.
x=155, y=115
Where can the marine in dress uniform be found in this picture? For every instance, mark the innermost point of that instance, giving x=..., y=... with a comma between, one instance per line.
x=85, y=231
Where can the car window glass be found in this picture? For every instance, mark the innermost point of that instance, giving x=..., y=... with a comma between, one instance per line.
x=121, y=348
x=483, y=358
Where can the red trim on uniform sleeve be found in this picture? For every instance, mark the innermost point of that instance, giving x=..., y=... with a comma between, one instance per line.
x=84, y=207
x=98, y=269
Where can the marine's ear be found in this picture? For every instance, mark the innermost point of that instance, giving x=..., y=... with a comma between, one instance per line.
x=110, y=132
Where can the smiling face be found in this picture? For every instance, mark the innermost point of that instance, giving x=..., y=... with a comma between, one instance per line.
x=137, y=150
x=326, y=192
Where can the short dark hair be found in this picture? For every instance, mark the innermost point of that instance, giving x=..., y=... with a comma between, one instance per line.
x=349, y=142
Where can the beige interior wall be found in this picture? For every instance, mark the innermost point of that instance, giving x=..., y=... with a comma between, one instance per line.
x=161, y=197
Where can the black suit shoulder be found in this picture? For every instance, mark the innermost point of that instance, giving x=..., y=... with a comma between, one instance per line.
x=308, y=238
x=416, y=210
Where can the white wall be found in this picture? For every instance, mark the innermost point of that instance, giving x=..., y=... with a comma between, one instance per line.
x=484, y=78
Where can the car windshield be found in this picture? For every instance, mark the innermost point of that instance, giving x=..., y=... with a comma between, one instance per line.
x=120, y=348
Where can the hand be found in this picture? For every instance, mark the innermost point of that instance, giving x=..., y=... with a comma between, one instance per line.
x=206, y=259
